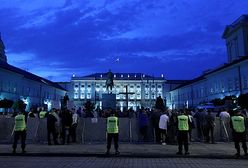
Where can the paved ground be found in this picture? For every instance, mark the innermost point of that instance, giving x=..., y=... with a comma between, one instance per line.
x=197, y=150
x=113, y=162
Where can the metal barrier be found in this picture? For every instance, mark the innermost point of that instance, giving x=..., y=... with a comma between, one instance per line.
x=91, y=130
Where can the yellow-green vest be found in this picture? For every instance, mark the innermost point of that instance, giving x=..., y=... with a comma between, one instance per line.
x=112, y=125
x=20, y=124
x=238, y=123
x=183, y=123
x=42, y=114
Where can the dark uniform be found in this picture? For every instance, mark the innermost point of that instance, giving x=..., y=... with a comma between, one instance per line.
x=183, y=123
x=239, y=132
x=20, y=131
x=51, y=129
x=112, y=133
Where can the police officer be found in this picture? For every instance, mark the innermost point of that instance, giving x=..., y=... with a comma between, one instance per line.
x=20, y=131
x=112, y=133
x=183, y=123
x=238, y=125
x=43, y=113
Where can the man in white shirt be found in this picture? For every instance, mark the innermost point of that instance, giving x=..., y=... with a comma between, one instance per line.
x=163, y=123
x=225, y=124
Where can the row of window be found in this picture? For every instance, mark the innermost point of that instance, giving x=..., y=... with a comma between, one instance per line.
x=117, y=86
x=26, y=91
x=118, y=96
x=217, y=87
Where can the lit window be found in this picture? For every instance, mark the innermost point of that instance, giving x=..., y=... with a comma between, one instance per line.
x=75, y=95
x=88, y=96
x=82, y=96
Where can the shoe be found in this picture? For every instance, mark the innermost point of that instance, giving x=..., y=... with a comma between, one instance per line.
x=107, y=153
x=187, y=153
x=179, y=153
x=23, y=151
x=14, y=151
x=163, y=143
x=117, y=152
x=237, y=155
x=246, y=154
x=49, y=143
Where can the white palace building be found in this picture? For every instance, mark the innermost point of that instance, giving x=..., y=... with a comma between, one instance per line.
x=134, y=89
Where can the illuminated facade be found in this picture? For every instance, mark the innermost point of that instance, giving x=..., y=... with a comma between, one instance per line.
x=227, y=80
x=142, y=89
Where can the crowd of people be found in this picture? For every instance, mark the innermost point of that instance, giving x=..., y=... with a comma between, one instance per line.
x=170, y=126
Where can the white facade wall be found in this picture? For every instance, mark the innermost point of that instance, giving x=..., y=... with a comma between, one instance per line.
x=225, y=82
x=144, y=93
x=14, y=86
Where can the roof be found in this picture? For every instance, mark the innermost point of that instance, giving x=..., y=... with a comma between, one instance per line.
x=202, y=77
x=120, y=76
x=29, y=75
x=242, y=20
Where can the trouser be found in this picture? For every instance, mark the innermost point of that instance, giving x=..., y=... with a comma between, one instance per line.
x=17, y=135
x=54, y=133
x=65, y=134
x=143, y=132
x=211, y=131
x=163, y=133
x=224, y=129
x=182, y=138
x=199, y=131
x=157, y=134
x=111, y=136
x=240, y=137
x=73, y=132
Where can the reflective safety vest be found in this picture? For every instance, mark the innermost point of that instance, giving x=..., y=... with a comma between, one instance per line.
x=238, y=123
x=20, y=124
x=183, y=123
x=42, y=114
x=112, y=125
x=54, y=114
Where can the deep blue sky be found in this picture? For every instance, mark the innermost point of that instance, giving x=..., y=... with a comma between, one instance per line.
x=58, y=38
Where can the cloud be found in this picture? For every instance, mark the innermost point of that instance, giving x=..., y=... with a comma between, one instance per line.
x=70, y=34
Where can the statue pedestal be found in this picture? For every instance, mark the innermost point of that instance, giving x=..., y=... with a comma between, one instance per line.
x=108, y=101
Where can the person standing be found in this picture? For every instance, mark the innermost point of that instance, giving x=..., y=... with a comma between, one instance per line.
x=238, y=125
x=183, y=123
x=43, y=113
x=163, y=123
x=112, y=133
x=51, y=127
x=66, y=122
x=143, y=123
x=155, y=117
x=224, y=124
x=20, y=131
x=209, y=127
x=74, y=125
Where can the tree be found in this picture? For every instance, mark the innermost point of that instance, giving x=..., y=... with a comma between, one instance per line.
x=5, y=104
x=218, y=102
x=19, y=105
x=243, y=100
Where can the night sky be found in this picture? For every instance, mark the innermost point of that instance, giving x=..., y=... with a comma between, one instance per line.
x=58, y=38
